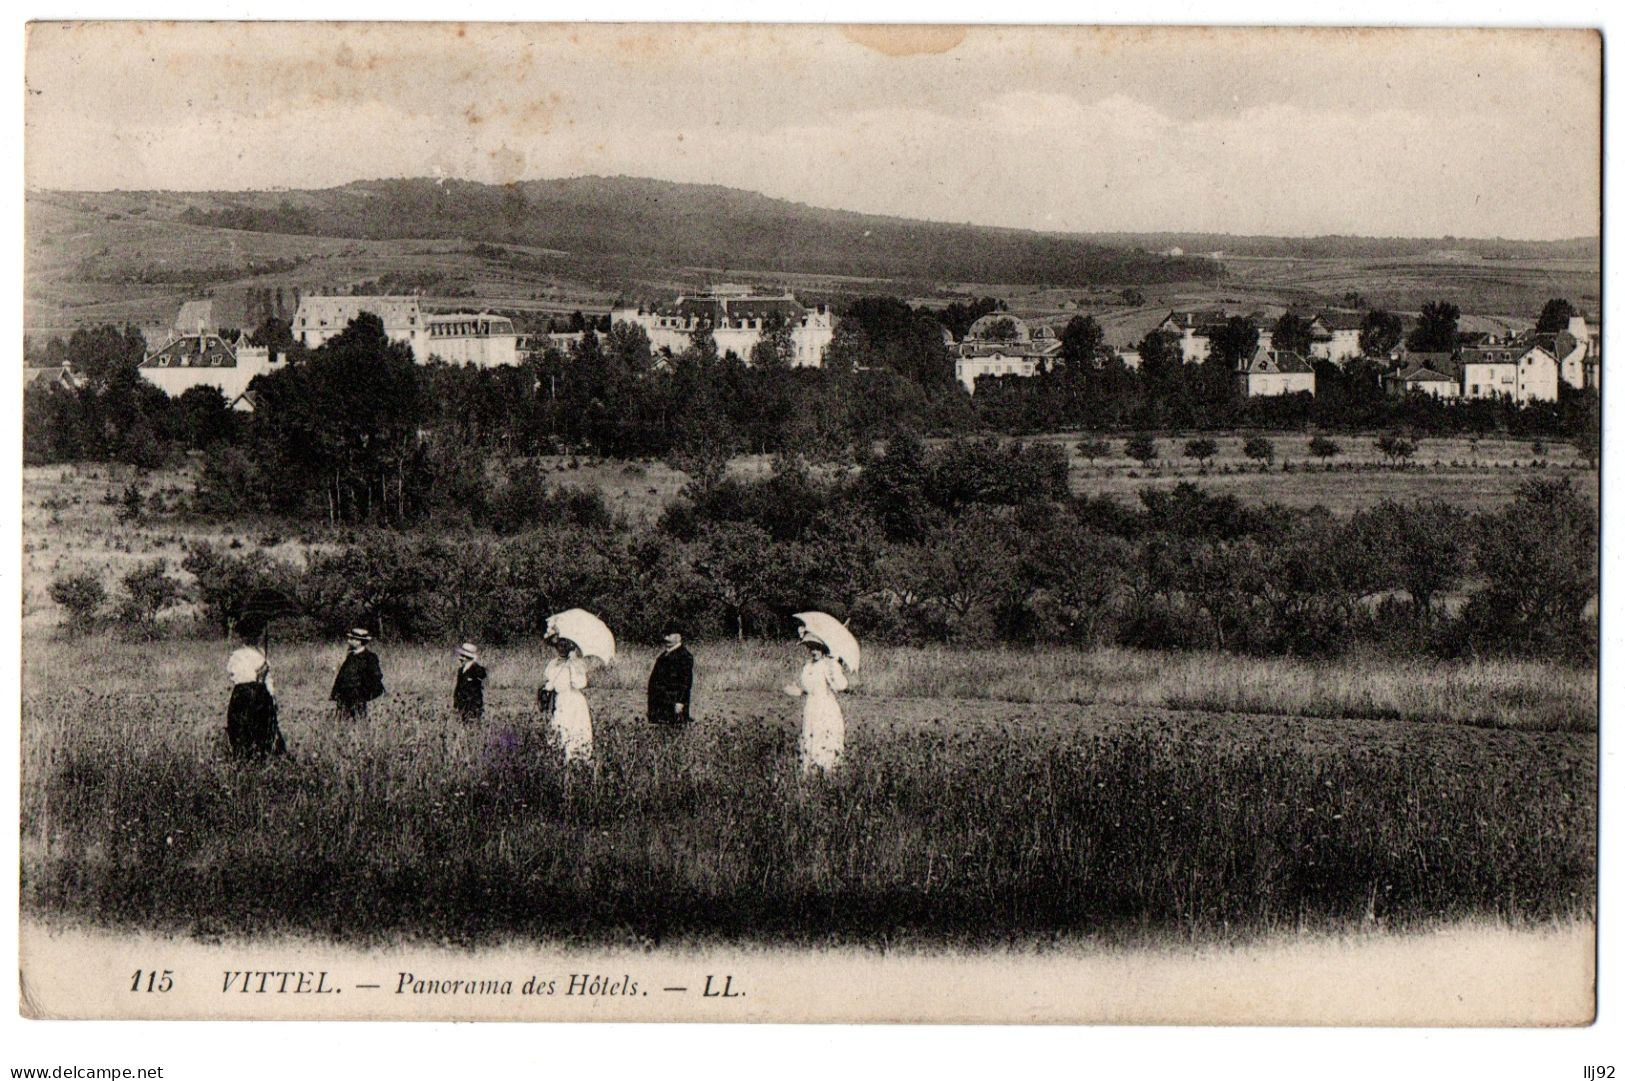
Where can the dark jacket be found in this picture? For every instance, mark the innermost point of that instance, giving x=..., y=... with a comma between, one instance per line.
x=360, y=680
x=469, y=695
x=671, y=682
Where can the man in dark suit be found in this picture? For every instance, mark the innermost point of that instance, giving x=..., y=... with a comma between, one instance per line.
x=360, y=678
x=468, y=696
x=672, y=682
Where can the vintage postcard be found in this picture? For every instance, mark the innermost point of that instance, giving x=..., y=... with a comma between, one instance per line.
x=545, y=522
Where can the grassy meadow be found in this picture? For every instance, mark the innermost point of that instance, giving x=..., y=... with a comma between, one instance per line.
x=989, y=797
x=992, y=795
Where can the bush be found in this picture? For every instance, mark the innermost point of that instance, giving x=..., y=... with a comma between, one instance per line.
x=148, y=590
x=225, y=581
x=956, y=544
x=1538, y=559
x=987, y=471
x=81, y=597
x=1142, y=448
x=524, y=498
x=1324, y=448
x=129, y=504
x=1093, y=448
x=1396, y=449
x=235, y=482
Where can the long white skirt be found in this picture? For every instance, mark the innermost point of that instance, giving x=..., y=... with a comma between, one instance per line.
x=823, y=734
x=572, y=725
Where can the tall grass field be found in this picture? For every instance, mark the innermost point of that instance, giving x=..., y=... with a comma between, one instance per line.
x=989, y=797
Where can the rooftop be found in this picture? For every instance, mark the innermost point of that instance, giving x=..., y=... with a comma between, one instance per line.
x=1268, y=361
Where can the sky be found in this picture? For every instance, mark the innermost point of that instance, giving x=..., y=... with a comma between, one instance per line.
x=1288, y=132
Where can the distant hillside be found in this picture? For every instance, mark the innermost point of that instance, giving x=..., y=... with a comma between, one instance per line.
x=1355, y=247
x=661, y=223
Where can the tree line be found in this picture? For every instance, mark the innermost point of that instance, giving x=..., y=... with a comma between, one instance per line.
x=354, y=430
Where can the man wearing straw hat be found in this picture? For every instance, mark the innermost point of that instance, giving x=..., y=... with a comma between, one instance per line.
x=468, y=697
x=360, y=678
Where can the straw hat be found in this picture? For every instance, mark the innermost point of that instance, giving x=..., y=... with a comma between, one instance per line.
x=359, y=634
x=468, y=651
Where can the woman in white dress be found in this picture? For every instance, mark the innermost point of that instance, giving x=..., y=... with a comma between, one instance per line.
x=823, y=730
x=564, y=678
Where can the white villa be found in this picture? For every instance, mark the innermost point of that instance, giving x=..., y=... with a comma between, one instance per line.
x=459, y=338
x=208, y=360
x=1269, y=372
x=1521, y=373
x=736, y=317
x=1337, y=336
x=477, y=338
x=1001, y=344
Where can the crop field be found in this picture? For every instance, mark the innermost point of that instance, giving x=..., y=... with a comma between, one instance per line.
x=1473, y=474
x=1494, y=295
x=989, y=797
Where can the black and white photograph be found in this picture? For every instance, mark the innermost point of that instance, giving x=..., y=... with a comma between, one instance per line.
x=663, y=522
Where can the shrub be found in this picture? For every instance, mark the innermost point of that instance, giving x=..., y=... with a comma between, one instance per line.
x=1538, y=559
x=1093, y=448
x=1142, y=448
x=986, y=471
x=1396, y=449
x=1588, y=444
x=524, y=499
x=1324, y=448
x=1201, y=449
x=225, y=581
x=148, y=590
x=81, y=597
x=1260, y=450
x=234, y=482
x=130, y=504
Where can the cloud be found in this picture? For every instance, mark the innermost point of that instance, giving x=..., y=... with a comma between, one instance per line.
x=1271, y=133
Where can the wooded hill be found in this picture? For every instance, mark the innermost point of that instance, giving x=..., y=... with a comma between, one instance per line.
x=662, y=223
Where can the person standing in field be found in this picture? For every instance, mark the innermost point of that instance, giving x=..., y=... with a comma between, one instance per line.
x=671, y=682
x=360, y=679
x=563, y=680
x=468, y=696
x=251, y=718
x=823, y=729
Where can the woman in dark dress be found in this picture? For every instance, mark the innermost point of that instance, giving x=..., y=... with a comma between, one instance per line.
x=251, y=719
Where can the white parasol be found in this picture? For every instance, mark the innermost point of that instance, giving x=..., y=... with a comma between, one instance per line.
x=586, y=630
x=833, y=633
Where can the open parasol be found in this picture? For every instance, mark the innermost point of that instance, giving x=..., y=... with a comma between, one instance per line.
x=586, y=630
x=252, y=616
x=833, y=633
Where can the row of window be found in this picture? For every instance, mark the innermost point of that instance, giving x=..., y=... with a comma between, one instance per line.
x=483, y=328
